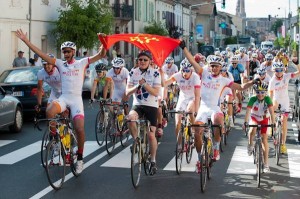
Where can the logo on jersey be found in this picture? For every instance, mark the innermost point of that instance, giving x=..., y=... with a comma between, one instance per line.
x=156, y=74
x=142, y=94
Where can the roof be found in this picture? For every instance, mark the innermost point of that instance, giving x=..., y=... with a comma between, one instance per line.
x=206, y=9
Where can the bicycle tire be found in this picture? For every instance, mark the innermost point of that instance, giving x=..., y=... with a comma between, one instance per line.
x=258, y=163
x=100, y=130
x=124, y=137
x=55, y=164
x=189, y=148
x=278, y=144
x=44, y=144
x=73, y=154
x=179, y=151
x=146, y=154
x=222, y=142
x=136, y=163
x=110, y=137
x=203, y=164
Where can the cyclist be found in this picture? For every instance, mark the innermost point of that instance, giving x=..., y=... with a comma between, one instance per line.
x=99, y=80
x=267, y=64
x=189, y=95
x=229, y=52
x=144, y=84
x=262, y=75
x=253, y=65
x=244, y=60
x=227, y=93
x=237, y=70
x=212, y=84
x=117, y=80
x=278, y=90
x=259, y=109
x=51, y=76
x=72, y=73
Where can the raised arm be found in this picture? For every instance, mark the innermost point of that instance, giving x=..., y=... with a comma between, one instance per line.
x=101, y=53
x=23, y=36
x=190, y=57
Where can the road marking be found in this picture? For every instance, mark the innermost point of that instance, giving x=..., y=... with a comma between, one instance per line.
x=294, y=125
x=5, y=142
x=70, y=175
x=21, y=153
x=121, y=160
x=241, y=163
x=294, y=162
x=184, y=166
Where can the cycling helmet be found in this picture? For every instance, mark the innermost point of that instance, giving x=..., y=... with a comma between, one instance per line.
x=68, y=44
x=261, y=71
x=228, y=49
x=249, y=53
x=223, y=53
x=242, y=50
x=254, y=55
x=185, y=64
x=277, y=65
x=224, y=66
x=235, y=59
x=145, y=53
x=50, y=55
x=169, y=60
x=100, y=67
x=260, y=87
x=269, y=57
x=118, y=62
x=217, y=53
x=213, y=59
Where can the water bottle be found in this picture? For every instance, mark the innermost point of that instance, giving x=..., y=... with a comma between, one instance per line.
x=61, y=134
x=68, y=139
x=120, y=116
x=105, y=118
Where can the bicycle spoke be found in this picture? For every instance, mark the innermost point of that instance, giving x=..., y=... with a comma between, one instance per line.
x=100, y=128
x=136, y=163
x=179, y=151
x=45, y=141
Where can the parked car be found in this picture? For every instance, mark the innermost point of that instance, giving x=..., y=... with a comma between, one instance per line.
x=11, y=112
x=206, y=50
x=22, y=83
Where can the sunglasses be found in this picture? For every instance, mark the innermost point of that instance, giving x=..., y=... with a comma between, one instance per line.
x=278, y=70
x=261, y=74
x=260, y=92
x=186, y=70
x=234, y=63
x=66, y=51
x=99, y=71
x=214, y=66
x=269, y=59
x=143, y=59
x=116, y=68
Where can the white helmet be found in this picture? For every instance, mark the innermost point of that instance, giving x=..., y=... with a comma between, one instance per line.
x=277, y=65
x=185, y=64
x=217, y=53
x=118, y=62
x=269, y=57
x=68, y=44
x=213, y=59
x=235, y=59
x=224, y=66
x=169, y=60
x=254, y=55
x=261, y=71
x=242, y=50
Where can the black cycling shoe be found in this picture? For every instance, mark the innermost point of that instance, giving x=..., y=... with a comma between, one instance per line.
x=153, y=168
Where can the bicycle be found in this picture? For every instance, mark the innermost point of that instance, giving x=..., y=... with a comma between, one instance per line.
x=61, y=150
x=184, y=141
x=206, y=160
x=140, y=153
x=227, y=128
x=277, y=136
x=257, y=151
x=172, y=97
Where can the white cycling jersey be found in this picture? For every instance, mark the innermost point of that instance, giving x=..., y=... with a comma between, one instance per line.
x=243, y=60
x=187, y=86
x=141, y=96
x=266, y=79
x=268, y=68
x=53, y=81
x=169, y=71
x=120, y=81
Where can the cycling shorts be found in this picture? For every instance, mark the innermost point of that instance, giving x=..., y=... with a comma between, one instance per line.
x=149, y=113
x=73, y=101
x=205, y=112
x=265, y=121
x=183, y=103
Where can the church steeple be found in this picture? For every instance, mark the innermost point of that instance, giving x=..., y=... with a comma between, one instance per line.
x=240, y=9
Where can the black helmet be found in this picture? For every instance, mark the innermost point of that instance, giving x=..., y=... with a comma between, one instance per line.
x=100, y=67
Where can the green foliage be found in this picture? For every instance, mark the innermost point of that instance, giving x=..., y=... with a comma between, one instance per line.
x=81, y=21
x=281, y=42
x=230, y=40
x=156, y=29
x=278, y=23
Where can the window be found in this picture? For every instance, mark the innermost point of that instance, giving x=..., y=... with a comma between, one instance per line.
x=137, y=8
x=44, y=43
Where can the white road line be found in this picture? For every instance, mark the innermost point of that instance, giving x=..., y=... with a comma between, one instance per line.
x=121, y=160
x=185, y=166
x=21, y=153
x=70, y=175
x=294, y=162
x=5, y=142
x=241, y=163
x=294, y=125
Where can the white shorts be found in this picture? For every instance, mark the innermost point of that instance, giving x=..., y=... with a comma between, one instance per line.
x=285, y=104
x=183, y=103
x=205, y=112
x=118, y=95
x=226, y=91
x=53, y=96
x=73, y=101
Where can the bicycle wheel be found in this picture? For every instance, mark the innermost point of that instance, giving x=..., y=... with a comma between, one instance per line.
x=124, y=137
x=100, y=128
x=110, y=138
x=179, y=151
x=259, y=160
x=55, y=164
x=73, y=154
x=204, y=165
x=278, y=143
x=146, y=155
x=189, y=149
x=136, y=163
x=222, y=142
x=45, y=141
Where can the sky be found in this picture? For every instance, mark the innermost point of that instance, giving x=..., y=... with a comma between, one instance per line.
x=262, y=8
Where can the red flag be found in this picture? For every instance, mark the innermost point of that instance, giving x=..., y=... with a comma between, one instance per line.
x=159, y=46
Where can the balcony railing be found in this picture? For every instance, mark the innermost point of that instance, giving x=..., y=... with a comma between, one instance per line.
x=123, y=11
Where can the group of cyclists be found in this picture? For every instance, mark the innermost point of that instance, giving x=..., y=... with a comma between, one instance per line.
x=203, y=83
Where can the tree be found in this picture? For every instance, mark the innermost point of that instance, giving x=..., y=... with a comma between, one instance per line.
x=278, y=23
x=230, y=40
x=81, y=21
x=156, y=28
